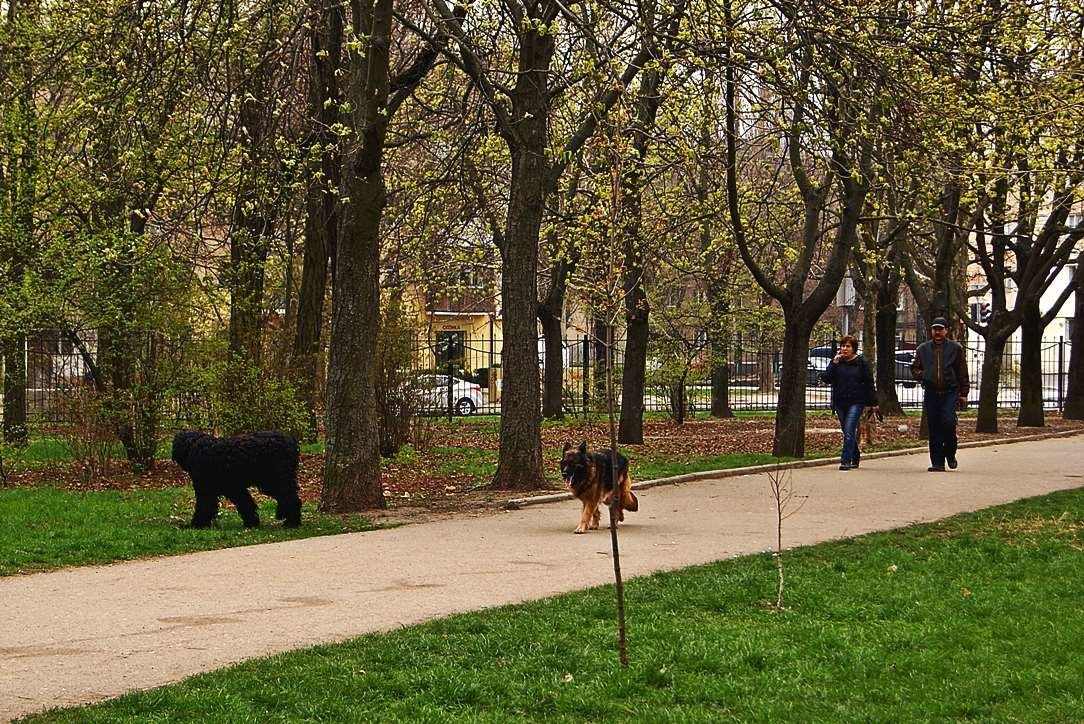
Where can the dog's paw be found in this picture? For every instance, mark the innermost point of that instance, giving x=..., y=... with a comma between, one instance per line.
x=578, y=531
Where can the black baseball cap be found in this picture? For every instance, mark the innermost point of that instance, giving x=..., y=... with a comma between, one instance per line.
x=938, y=322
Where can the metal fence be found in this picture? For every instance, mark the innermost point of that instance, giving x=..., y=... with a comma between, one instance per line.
x=469, y=368
x=753, y=374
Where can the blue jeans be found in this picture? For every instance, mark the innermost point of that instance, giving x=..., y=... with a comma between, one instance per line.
x=940, y=409
x=848, y=420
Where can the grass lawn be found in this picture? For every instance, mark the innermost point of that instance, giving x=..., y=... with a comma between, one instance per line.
x=977, y=617
x=46, y=528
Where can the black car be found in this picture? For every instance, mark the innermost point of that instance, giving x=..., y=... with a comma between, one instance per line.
x=812, y=375
x=904, y=358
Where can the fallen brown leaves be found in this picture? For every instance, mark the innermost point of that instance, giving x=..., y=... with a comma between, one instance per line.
x=440, y=480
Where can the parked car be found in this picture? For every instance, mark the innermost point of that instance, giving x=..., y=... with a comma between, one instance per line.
x=904, y=358
x=812, y=374
x=819, y=357
x=466, y=396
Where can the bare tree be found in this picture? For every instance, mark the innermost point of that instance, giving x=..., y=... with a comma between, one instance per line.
x=352, y=462
x=787, y=503
x=522, y=112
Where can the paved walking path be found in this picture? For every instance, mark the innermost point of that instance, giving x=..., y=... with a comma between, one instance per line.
x=86, y=634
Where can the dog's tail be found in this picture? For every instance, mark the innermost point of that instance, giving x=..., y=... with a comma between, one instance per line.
x=628, y=498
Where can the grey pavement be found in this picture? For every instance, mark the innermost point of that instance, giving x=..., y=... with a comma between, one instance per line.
x=86, y=634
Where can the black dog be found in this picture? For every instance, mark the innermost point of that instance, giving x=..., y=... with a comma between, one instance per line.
x=228, y=466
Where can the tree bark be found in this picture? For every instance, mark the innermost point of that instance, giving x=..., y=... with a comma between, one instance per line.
x=519, y=465
x=549, y=315
x=637, y=309
x=14, y=358
x=352, y=461
x=352, y=466
x=1031, y=367
x=720, y=376
x=790, y=412
x=1074, y=399
x=888, y=292
x=18, y=198
x=991, y=381
x=634, y=372
x=322, y=220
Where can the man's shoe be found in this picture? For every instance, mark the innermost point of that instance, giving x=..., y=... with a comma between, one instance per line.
x=845, y=466
x=952, y=463
x=935, y=469
x=855, y=464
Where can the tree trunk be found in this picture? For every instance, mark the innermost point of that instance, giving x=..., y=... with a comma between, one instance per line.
x=146, y=410
x=637, y=310
x=322, y=220
x=14, y=354
x=251, y=225
x=634, y=370
x=677, y=401
x=601, y=337
x=991, y=380
x=888, y=292
x=549, y=315
x=319, y=235
x=352, y=461
x=519, y=464
x=720, y=376
x=765, y=367
x=1031, y=366
x=352, y=466
x=248, y=259
x=18, y=199
x=1074, y=398
x=790, y=413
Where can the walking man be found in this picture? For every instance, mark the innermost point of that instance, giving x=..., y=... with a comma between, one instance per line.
x=939, y=364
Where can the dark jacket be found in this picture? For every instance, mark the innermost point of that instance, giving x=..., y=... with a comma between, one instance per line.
x=852, y=383
x=941, y=367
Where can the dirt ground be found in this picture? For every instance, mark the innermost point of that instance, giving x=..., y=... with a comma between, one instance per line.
x=439, y=481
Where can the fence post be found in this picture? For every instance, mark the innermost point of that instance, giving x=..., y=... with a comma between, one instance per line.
x=1061, y=368
x=451, y=386
x=586, y=372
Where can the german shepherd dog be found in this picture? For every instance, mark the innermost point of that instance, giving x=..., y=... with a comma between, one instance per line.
x=589, y=476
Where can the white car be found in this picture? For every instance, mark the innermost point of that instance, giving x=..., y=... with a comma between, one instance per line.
x=466, y=396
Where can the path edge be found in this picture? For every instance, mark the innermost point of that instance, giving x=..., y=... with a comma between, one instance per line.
x=518, y=503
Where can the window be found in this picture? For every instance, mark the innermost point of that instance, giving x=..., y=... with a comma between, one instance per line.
x=450, y=348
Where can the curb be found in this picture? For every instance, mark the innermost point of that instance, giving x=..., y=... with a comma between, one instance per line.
x=517, y=503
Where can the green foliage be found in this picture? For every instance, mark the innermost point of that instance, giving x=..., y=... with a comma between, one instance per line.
x=231, y=396
x=249, y=399
x=397, y=395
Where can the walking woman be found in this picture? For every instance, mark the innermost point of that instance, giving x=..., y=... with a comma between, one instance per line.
x=852, y=392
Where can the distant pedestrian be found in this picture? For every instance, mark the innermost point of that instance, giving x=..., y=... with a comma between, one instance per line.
x=939, y=364
x=852, y=391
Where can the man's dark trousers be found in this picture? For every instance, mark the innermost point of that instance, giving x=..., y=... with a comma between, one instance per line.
x=940, y=408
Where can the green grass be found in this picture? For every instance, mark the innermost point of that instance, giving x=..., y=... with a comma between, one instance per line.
x=45, y=528
x=978, y=617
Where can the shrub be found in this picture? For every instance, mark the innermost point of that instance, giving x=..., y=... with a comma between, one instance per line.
x=398, y=398
x=249, y=399
x=89, y=433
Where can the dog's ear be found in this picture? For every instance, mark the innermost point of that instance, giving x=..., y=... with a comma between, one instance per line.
x=583, y=447
x=567, y=447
